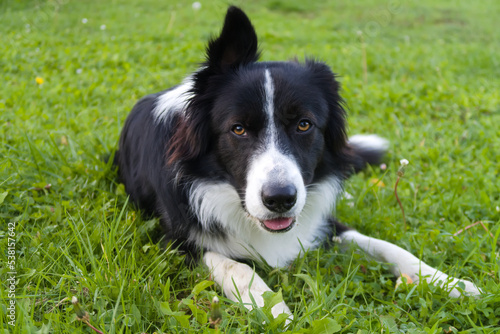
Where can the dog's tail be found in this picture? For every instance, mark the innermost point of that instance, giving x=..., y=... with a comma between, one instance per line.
x=367, y=149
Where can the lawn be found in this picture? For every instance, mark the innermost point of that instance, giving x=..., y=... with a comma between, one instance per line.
x=423, y=74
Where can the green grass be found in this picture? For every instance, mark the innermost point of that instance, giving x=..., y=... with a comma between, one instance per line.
x=431, y=87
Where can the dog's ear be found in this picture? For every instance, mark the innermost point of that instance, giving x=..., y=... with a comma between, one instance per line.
x=189, y=140
x=335, y=130
x=236, y=44
x=347, y=156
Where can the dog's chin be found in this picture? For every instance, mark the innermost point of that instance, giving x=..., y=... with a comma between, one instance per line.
x=278, y=225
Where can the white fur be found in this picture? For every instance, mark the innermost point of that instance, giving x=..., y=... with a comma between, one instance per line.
x=269, y=90
x=245, y=238
x=369, y=142
x=406, y=263
x=172, y=101
x=240, y=282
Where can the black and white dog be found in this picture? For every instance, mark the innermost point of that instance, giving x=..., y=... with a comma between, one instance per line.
x=244, y=161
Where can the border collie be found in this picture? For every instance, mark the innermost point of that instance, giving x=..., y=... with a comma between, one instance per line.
x=244, y=161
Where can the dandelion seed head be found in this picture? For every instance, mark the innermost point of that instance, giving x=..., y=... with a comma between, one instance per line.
x=84, y=20
x=196, y=5
x=404, y=162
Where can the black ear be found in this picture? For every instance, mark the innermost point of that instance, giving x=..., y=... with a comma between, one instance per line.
x=236, y=45
x=336, y=127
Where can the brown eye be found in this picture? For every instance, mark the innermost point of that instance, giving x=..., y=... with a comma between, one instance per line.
x=303, y=125
x=239, y=130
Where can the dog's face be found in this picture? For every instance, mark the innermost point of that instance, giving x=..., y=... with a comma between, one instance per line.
x=269, y=123
x=275, y=128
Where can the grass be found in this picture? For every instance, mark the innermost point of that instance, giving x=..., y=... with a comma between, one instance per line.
x=423, y=74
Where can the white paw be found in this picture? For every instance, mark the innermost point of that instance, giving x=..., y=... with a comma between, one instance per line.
x=282, y=308
x=456, y=287
x=470, y=288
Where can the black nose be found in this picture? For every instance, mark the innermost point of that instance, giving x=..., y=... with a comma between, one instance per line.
x=279, y=198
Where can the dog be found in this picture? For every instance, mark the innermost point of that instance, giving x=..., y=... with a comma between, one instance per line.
x=244, y=160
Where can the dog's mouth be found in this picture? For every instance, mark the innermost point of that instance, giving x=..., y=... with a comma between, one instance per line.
x=278, y=225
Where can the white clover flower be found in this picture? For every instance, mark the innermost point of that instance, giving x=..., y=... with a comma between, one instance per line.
x=79, y=71
x=196, y=5
x=498, y=208
x=103, y=27
x=347, y=195
x=404, y=162
x=383, y=166
x=84, y=20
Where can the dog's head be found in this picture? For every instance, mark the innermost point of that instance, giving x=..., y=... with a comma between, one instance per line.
x=271, y=128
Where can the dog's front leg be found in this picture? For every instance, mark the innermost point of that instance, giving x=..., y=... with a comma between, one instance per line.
x=238, y=280
x=404, y=262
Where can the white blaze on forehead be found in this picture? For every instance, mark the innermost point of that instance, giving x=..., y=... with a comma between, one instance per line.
x=269, y=102
x=269, y=165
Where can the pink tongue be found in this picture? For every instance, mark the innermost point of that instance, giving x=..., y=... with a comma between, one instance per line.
x=278, y=223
